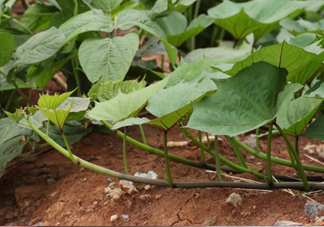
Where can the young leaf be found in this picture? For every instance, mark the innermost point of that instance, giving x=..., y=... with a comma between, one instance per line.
x=244, y=102
x=108, y=59
x=39, y=47
x=258, y=17
x=85, y=22
x=52, y=101
x=6, y=48
x=125, y=105
x=302, y=26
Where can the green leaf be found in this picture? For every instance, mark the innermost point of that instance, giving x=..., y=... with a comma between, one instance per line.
x=191, y=71
x=302, y=64
x=258, y=17
x=125, y=105
x=316, y=91
x=109, y=89
x=73, y=132
x=105, y=5
x=315, y=130
x=175, y=27
x=9, y=150
x=108, y=59
x=302, y=26
x=6, y=48
x=297, y=115
x=244, y=102
x=129, y=122
x=39, y=47
x=85, y=22
x=52, y=101
x=129, y=18
x=10, y=129
x=159, y=7
x=5, y=86
x=78, y=109
x=33, y=18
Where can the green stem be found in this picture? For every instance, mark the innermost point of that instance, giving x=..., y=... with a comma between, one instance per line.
x=20, y=24
x=269, y=173
x=214, y=35
x=47, y=127
x=201, y=150
x=143, y=134
x=68, y=147
x=21, y=93
x=257, y=145
x=193, y=39
x=222, y=159
x=9, y=100
x=125, y=151
x=217, y=160
x=300, y=168
x=208, y=141
x=162, y=62
x=292, y=158
x=76, y=76
x=237, y=152
x=166, y=158
x=296, y=144
x=275, y=159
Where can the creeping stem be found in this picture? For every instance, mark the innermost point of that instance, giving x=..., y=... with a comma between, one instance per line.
x=125, y=151
x=269, y=173
x=166, y=158
x=218, y=169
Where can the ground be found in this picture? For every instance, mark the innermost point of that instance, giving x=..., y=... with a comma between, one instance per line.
x=78, y=196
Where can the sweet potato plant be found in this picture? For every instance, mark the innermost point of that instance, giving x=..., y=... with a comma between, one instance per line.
x=235, y=67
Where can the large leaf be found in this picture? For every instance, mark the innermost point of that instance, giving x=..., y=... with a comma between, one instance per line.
x=257, y=16
x=108, y=59
x=125, y=105
x=105, y=5
x=244, y=102
x=39, y=47
x=302, y=26
x=6, y=48
x=315, y=130
x=78, y=109
x=9, y=150
x=175, y=27
x=302, y=64
x=297, y=115
x=85, y=22
x=129, y=18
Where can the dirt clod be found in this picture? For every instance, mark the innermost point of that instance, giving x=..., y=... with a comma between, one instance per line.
x=113, y=218
x=234, y=199
x=210, y=221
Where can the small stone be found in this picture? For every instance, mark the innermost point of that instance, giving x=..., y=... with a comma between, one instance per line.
x=319, y=220
x=147, y=187
x=210, y=221
x=112, y=185
x=113, y=218
x=95, y=203
x=254, y=207
x=116, y=197
x=107, y=190
x=115, y=193
x=157, y=197
x=51, y=180
x=39, y=224
x=145, y=197
x=144, y=223
x=125, y=216
x=234, y=199
x=84, y=179
x=105, y=203
x=287, y=223
x=312, y=208
x=110, y=180
x=128, y=186
x=234, y=212
x=245, y=213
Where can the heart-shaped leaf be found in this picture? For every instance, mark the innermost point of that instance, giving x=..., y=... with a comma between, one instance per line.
x=6, y=48
x=315, y=130
x=246, y=101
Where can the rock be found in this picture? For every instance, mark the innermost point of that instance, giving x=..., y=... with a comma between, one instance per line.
x=145, y=197
x=321, y=219
x=250, y=141
x=312, y=208
x=150, y=174
x=210, y=221
x=128, y=186
x=125, y=216
x=147, y=187
x=107, y=190
x=27, y=194
x=113, y=218
x=114, y=193
x=157, y=197
x=245, y=213
x=234, y=199
x=287, y=223
x=51, y=180
x=112, y=185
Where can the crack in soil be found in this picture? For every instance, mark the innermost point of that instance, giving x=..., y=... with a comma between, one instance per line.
x=178, y=213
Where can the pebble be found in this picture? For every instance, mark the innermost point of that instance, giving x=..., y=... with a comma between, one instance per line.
x=287, y=223
x=312, y=208
x=147, y=187
x=210, y=221
x=157, y=197
x=110, y=180
x=112, y=185
x=128, y=186
x=234, y=199
x=51, y=180
x=113, y=218
x=125, y=216
x=107, y=190
x=84, y=179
